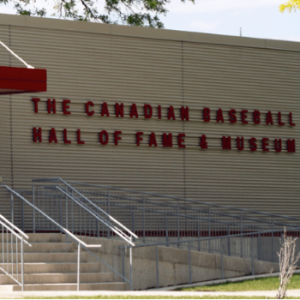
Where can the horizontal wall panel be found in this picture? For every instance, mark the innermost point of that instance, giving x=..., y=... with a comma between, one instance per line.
x=153, y=68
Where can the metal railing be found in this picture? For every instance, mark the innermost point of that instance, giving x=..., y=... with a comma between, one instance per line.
x=258, y=246
x=46, y=221
x=12, y=248
x=156, y=217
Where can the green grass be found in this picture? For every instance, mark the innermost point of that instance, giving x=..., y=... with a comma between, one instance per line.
x=153, y=297
x=262, y=284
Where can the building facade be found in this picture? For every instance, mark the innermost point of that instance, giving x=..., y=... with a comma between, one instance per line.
x=206, y=117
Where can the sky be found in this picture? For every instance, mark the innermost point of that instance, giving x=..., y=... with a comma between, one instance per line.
x=256, y=18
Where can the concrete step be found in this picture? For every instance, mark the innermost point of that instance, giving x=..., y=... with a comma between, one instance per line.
x=43, y=257
x=38, y=247
x=34, y=268
x=36, y=237
x=51, y=278
x=107, y=286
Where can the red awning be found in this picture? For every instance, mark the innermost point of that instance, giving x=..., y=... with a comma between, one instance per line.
x=22, y=80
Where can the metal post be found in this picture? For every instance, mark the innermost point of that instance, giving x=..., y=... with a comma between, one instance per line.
x=33, y=210
x=12, y=207
x=78, y=269
x=72, y=208
x=178, y=232
x=108, y=209
x=144, y=237
x=60, y=212
x=97, y=224
x=167, y=234
x=190, y=267
x=241, y=236
x=157, y=270
x=198, y=235
x=258, y=247
x=229, y=250
x=123, y=266
x=252, y=254
x=22, y=205
x=22, y=264
x=67, y=217
x=222, y=265
x=130, y=262
x=133, y=223
x=272, y=248
x=209, y=229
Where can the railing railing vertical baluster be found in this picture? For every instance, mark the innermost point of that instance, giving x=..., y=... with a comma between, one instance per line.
x=272, y=246
x=33, y=210
x=198, y=235
x=228, y=232
x=178, y=229
x=252, y=254
x=66, y=215
x=209, y=229
x=190, y=266
x=130, y=262
x=78, y=268
x=222, y=263
x=241, y=236
x=144, y=231
x=157, y=267
x=123, y=263
x=22, y=263
x=167, y=233
x=108, y=210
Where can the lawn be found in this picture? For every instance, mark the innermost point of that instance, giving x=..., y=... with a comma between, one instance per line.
x=261, y=284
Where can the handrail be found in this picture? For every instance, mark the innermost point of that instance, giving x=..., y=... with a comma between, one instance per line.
x=113, y=228
x=88, y=200
x=45, y=215
x=14, y=233
x=15, y=227
x=209, y=238
x=80, y=242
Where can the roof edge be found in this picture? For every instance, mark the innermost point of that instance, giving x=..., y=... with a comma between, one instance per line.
x=151, y=33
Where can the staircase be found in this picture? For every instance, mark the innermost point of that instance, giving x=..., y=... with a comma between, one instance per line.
x=51, y=265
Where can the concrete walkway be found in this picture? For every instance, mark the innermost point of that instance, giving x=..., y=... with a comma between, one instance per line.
x=291, y=293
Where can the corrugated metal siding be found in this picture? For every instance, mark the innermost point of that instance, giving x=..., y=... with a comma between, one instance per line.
x=85, y=66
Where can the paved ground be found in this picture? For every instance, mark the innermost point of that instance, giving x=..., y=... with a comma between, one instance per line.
x=4, y=295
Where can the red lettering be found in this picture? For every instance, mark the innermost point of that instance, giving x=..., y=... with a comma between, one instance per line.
x=256, y=117
x=167, y=140
x=133, y=111
x=253, y=146
x=159, y=111
x=36, y=103
x=52, y=136
x=171, y=113
x=279, y=119
x=152, y=140
x=66, y=137
x=104, y=110
x=291, y=146
x=226, y=142
x=87, y=109
x=103, y=137
x=291, y=120
x=220, y=115
x=240, y=143
x=277, y=144
x=37, y=134
x=148, y=111
x=265, y=143
x=206, y=114
x=181, y=137
x=51, y=106
x=269, y=118
x=203, y=142
x=119, y=109
x=232, y=116
x=139, y=138
x=79, y=141
x=117, y=137
x=184, y=113
x=244, y=116
x=65, y=107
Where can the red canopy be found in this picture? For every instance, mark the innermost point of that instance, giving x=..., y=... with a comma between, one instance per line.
x=22, y=80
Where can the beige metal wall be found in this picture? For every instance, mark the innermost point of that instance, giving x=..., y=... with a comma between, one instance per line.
x=135, y=65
